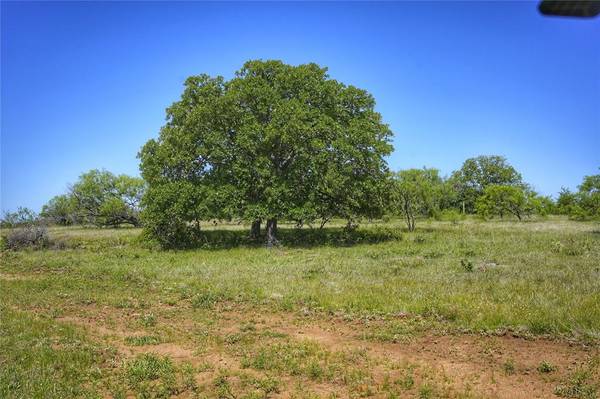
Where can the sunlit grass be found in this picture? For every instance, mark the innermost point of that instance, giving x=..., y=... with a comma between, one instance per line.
x=533, y=278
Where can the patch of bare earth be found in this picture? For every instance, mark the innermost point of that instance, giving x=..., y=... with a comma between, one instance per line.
x=484, y=366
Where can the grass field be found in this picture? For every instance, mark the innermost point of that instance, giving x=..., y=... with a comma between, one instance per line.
x=474, y=309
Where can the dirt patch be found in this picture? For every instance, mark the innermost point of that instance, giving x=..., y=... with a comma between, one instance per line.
x=14, y=277
x=488, y=366
x=494, y=366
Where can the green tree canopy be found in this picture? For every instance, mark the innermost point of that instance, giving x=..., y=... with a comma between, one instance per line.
x=104, y=199
x=61, y=210
x=588, y=197
x=416, y=192
x=498, y=200
x=471, y=180
x=275, y=142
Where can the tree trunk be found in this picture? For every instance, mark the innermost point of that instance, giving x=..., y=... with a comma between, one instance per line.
x=411, y=222
x=271, y=233
x=255, y=229
x=410, y=219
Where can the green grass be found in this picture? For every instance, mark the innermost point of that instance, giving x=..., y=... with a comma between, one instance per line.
x=532, y=278
x=537, y=278
x=43, y=359
x=583, y=383
x=142, y=340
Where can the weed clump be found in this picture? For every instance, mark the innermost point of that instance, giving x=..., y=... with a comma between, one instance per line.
x=142, y=340
x=148, y=320
x=509, y=367
x=467, y=265
x=205, y=300
x=546, y=367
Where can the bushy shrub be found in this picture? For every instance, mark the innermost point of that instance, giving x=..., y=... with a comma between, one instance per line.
x=28, y=236
x=450, y=215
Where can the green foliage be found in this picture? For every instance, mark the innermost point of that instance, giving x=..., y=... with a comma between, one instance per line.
x=416, y=192
x=467, y=265
x=509, y=367
x=104, y=199
x=148, y=367
x=142, y=340
x=22, y=216
x=546, y=367
x=585, y=203
x=566, y=202
x=60, y=210
x=471, y=180
x=541, y=205
x=275, y=142
x=582, y=383
x=501, y=201
x=589, y=196
x=450, y=215
x=100, y=198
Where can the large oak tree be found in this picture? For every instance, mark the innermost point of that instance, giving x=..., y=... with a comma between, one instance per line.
x=276, y=142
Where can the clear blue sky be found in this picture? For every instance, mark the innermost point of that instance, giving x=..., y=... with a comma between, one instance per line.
x=84, y=84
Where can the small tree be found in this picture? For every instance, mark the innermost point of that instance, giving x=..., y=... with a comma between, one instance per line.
x=589, y=196
x=471, y=180
x=416, y=192
x=103, y=199
x=60, y=210
x=540, y=204
x=500, y=200
x=566, y=201
x=583, y=204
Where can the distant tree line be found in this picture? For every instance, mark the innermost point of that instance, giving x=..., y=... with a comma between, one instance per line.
x=487, y=186
x=97, y=198
x=583, y=204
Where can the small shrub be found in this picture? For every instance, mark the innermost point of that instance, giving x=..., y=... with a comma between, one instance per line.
x=313, y=272
x=571, y=247
x=189, y=381
x=426, y=391
x=205, y=300
x=546, y=367
x=148, y=320
x=407, y=381
x=467, y=265
x=450, y=215
x=315, y=371
x=509, y=367
x=30, y=236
